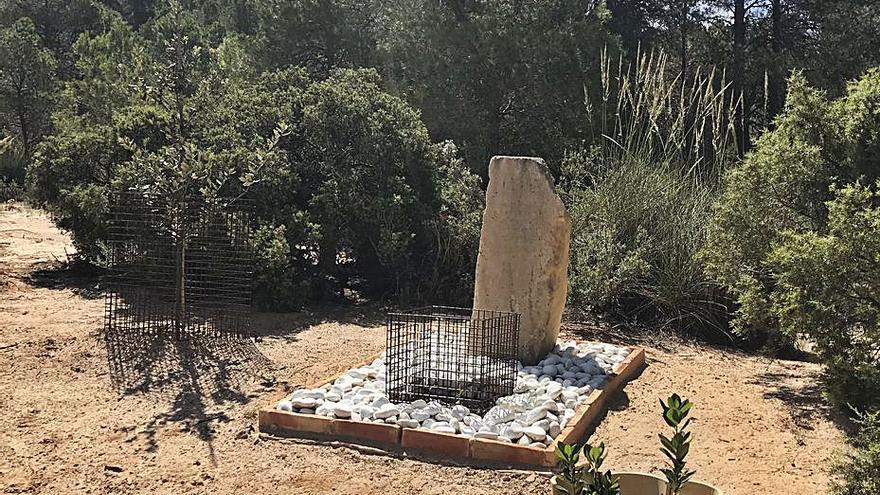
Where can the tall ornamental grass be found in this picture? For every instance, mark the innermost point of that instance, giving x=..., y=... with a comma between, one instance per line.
x=640, y=193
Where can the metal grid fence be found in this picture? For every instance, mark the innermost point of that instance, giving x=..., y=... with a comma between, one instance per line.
x=451, y=355
x=178, y=268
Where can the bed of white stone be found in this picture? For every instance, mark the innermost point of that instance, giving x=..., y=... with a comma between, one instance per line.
x=544, y=400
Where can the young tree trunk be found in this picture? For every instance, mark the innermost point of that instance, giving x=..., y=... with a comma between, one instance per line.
x=739, y=41
x=684, y=16
x=775, y=73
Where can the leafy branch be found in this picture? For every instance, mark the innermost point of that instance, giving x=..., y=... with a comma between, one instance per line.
x=675, y=411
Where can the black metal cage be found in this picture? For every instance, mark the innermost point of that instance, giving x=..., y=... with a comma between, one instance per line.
x=178, y=267
x=451, y=355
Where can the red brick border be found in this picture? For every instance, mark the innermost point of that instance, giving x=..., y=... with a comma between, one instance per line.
x=457, y=446
x=272, y=420
x=375, y=432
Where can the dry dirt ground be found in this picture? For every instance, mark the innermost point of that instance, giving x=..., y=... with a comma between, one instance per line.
x=85, y=412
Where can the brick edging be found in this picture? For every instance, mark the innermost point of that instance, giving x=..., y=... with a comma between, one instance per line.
x=586, y=416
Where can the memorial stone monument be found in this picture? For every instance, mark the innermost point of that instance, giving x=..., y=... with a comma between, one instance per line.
x=522, y=265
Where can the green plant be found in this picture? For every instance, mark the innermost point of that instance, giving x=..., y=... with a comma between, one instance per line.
x=858, y=471
x=827, y=287
x=640, y=196
x=350, y=192
x=675, y=412
x=571, y=477
x=781, y=191
x=589, y=480
x=601, y=483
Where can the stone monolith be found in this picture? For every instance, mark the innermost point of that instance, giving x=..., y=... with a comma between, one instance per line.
x=522, y=265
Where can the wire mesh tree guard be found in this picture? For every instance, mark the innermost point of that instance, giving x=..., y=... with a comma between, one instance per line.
x=178, y=267
x=451, y=355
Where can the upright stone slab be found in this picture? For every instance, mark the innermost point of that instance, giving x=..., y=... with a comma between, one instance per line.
x=523, y=261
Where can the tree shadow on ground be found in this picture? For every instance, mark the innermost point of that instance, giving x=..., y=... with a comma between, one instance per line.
x=287, y=325
x=194, y=373
x=802, y=394
x=83, y=278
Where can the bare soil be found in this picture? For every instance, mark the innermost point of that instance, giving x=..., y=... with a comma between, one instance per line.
x=85, y=412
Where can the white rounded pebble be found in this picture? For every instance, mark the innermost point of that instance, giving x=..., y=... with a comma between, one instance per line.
x=489, y=435
x=534, y=415
x=304, y=402
x=386, y=411
x=419, y=415
x=285, y=405
x=459, y=412
x=341, y=410
x=535, y=433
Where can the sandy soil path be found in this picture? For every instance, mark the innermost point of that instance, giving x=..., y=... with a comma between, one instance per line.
x=88, y=413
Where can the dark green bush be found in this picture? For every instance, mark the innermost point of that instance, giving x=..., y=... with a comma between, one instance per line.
x=827, y=288
x=793, y=236
x=13, y=166
x=782, y=189
x=350, y=191
x=635, y=236
x=858, y=471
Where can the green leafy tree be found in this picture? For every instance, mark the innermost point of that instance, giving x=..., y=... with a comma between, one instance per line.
x=496, y=77
x=27, y=83
x=828, y=288
x=782, y=188
x=857, y=472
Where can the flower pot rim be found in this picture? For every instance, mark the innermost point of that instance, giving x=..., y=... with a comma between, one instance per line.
x=650, y=475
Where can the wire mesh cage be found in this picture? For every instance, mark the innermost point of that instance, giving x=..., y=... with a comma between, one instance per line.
x=451, y=355
x=178, y=267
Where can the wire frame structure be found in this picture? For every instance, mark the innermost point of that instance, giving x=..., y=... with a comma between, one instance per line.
x=178, y=268
x=451, y=355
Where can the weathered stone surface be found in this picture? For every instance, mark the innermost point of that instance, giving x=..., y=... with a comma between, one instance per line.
x=522, y=265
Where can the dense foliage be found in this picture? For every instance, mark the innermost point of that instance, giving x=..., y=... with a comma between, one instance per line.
x=350, y=190
x=793, y=236
x=858, y=471
x=640, y=198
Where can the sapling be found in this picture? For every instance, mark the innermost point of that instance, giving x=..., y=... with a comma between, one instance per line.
x=571, y=477
x=574, y=480
x=675, y=411
x=600, y=483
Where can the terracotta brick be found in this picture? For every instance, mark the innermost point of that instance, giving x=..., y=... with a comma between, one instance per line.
x=630, y=367
x=454, y=446
x=589, y=413
x=274, y=420
x=507, y=453
x=376, y=432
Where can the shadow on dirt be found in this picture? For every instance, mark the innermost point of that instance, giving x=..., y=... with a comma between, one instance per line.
x=802, y=396
x=286, y=326
x=83, y=278
x=195, y=373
